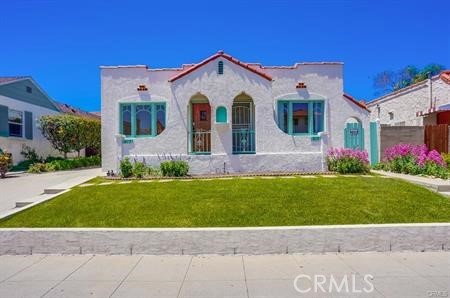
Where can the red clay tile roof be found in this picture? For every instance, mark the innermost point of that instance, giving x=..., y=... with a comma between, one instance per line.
x=353, y=100
x=223, y=55
x=445, y=76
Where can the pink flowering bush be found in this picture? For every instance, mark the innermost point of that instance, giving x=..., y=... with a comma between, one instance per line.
x=415, y=160
x=345, y=161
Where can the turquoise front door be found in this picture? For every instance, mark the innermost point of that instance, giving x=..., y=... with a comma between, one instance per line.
x=354, y=136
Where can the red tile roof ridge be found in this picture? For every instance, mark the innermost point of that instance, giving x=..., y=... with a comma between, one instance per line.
x=226, y=56
x=360, y=104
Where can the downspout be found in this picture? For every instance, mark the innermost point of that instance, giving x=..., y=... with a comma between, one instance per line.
x=430, y=87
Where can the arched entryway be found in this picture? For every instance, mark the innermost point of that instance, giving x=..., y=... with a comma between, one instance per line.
x=354, y=134
x=243, y=125
x=200, y=125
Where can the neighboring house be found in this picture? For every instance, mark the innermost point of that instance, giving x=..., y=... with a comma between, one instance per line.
x=223, y=115
x=426, y=102
x=22, y=103
x=70, y=110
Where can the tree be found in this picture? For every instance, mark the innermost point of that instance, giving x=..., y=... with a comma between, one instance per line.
x=430, y=69
x=384, y=82
x=69, y=133
x=388, y=81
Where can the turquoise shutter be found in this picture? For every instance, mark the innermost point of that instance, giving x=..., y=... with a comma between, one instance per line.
x=28, y=125
x=4, y=126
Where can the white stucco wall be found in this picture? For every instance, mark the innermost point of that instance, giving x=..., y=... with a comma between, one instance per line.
x=39, y=142
x=405, y=103
x=275, y=150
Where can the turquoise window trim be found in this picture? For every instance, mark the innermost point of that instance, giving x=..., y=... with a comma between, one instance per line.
x=133, y=118
x=290, y=124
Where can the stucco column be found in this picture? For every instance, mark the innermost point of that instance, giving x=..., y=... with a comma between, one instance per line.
x=119, y=150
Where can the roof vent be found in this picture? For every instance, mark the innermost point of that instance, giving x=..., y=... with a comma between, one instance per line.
x=300, y=85
x=142, y=88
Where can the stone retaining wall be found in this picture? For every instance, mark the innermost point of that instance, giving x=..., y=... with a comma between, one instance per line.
x=265, y=240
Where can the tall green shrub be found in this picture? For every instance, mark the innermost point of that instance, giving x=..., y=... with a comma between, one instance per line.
x=69, y=133
x=174, y=168
x=126, y=168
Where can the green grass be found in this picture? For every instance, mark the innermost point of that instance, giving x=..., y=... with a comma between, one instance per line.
x=239, y=202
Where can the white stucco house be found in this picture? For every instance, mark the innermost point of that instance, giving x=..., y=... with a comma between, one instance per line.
x=22, y=103
x=426, y=102
x=224, y=115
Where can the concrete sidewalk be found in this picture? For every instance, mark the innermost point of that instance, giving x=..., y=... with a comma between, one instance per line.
x=394, y=275
x=30, y=187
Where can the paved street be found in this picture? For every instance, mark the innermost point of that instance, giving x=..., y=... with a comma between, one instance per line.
x=29, y=187
x=394, y=275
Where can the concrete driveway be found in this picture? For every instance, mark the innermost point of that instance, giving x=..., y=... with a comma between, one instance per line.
x=393, y=275
x=30, y=187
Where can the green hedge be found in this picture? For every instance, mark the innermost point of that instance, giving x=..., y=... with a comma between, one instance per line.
x=65, y=164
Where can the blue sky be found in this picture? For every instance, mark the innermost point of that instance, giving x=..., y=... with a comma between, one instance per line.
x=62, y=43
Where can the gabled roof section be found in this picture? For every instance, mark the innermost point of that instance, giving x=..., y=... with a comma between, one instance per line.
x=15, y=87
x=353, y=100
x=221, y=54
x=6, y=80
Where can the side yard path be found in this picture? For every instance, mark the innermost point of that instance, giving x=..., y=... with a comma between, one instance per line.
x=393, y=275
x=436, y=184
x=238, y=202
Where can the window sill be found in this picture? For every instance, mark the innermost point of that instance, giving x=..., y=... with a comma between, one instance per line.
x=199, y=153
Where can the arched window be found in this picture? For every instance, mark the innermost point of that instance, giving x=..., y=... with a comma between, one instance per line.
x=220, y=67
x=221, y=115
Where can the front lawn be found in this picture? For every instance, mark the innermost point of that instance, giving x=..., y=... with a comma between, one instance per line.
x=239, y=202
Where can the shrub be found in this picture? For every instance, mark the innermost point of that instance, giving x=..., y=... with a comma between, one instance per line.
x=153, y=171
x=346, y=161
x=446, y=158
x=5, y=163
x=40, y=167
x=78, y=162
x=69, y=133
x=174, y=168
x=30, y=154
x=126, y=168
x=58, y=164
x=414, y=160
x=139, y=169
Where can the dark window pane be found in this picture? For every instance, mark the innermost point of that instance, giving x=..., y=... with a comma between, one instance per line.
x=15, y=130
x=160, y=118
x=318, y=117
x=15, y=116
x=300, y=118
x=126, y=120
x=283, y=109
x=203, y=116
x=143, y=120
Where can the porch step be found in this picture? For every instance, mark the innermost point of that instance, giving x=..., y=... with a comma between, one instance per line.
x=22, y=204
x=52, y=191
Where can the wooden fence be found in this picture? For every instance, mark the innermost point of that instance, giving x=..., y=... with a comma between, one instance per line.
x=436, y=137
